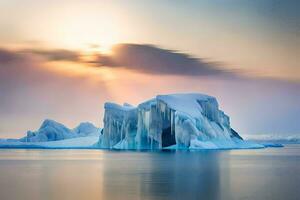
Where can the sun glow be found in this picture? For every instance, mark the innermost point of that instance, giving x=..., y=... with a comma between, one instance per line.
x=81, y=70
x=88, y=40
x=86, y=31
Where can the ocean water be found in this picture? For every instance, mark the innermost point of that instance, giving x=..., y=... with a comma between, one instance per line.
x=272, y=173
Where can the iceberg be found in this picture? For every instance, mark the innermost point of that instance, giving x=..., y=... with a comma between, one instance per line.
x=51, y=130
x=53, y=134
x=175, y=121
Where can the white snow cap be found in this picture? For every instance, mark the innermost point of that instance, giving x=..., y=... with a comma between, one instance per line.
x=114, y=106
x=189, y=103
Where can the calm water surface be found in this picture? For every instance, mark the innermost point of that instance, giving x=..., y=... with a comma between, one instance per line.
x=272, y=173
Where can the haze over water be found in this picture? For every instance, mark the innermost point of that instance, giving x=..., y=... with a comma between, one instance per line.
x=271, y=173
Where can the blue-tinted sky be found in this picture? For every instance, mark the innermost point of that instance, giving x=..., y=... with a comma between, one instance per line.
x=57, y=60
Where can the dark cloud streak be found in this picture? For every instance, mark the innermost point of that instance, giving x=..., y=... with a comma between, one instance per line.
x=144, y=58
x=154, y=60
x=7, y=56
x=56, y=54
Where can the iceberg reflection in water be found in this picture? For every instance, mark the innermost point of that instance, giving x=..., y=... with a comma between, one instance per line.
x=96, y=174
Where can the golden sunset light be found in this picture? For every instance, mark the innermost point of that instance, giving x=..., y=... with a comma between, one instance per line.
x=149, y=100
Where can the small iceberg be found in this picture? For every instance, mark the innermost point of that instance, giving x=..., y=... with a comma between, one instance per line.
x=52, y=134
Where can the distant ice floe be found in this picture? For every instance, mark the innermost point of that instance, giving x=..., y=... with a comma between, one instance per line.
x=274, y=139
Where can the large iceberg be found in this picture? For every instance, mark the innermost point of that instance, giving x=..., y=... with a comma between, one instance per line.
x=176, y=121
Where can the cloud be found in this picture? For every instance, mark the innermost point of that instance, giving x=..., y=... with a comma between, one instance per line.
x=154, y=60
x=144, y=58
x=7, y=56
x=56, y=54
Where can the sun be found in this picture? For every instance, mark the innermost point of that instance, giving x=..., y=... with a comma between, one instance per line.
x=105, y=42
x=101, y=40
x=103, y=47
x=106, y=48
x=101, y=31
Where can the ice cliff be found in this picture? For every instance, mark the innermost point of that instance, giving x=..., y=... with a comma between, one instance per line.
x=176, y=121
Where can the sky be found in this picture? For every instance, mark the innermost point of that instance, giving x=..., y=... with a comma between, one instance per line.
x=64, y=59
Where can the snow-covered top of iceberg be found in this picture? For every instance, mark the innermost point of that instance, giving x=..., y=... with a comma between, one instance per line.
x=114, y=106
x=50, y=130
x=49, y=123
x=85, y=129
x=189, y=103
x=147, y=104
